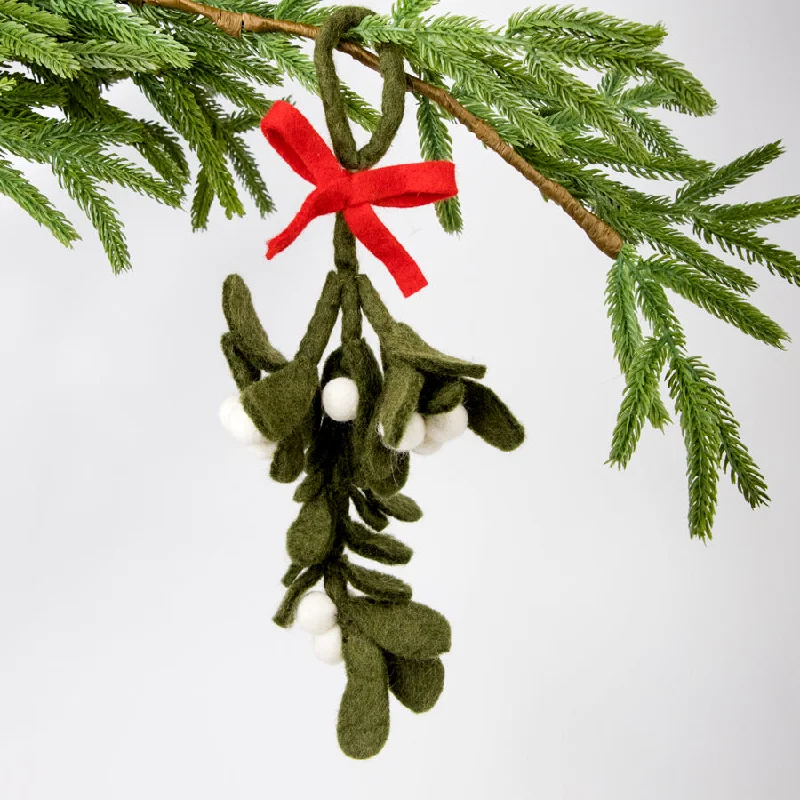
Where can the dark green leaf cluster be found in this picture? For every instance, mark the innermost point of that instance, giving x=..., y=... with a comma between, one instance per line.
x=353, y=476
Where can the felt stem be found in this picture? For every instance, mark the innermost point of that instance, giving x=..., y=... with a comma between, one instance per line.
x=318, y=334
x=344, y=257
x=602, y=235
x=374, y=308
x=391, y=66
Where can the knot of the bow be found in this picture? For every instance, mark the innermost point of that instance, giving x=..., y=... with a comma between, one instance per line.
x=354, y=193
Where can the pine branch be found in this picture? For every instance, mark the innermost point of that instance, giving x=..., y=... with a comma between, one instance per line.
x=706, y=293
x=436, y=145
x=115, y=22
x=593, y=25
x=34, y=18
x=697, y=410
x=641, y=392
x=38, y=48
x=100, y=211
x=728, y=176
x=411, y=9
x=17, y=188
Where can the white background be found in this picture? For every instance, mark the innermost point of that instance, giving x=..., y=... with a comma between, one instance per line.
x=598, y=651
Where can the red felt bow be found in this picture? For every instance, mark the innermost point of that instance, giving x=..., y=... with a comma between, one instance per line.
x=354, y=193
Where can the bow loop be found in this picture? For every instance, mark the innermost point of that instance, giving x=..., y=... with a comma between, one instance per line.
x=354, y=194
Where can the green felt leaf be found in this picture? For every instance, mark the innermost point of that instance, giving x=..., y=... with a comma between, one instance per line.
x=284, y=616
x=399, y=400
x=417, y=684
x=441, y=395
x=399, y=506
x=309, y=487
x=379, y=547
x=310, y=537
x=251, y=338
x=410, y=630
x=362, y=366
x=334, y=368
x=490, y=418
x=243, y=372
x=289, y=459
x=382, y=470
x=363, y=725
x=404, y=344
x=279, y=403
x=369, y=511
x=377, y=585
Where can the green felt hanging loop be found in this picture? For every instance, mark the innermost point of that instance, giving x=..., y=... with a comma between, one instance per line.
x=392, y=101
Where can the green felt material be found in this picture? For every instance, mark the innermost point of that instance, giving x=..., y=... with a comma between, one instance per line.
x=243, y=372
x=280, y=402
x=490, y=418
x=309, y=487
x=243, y=322
x=362, y=366
x=312, y=345
x=351, y=313
x=399, y=506
x=363, y=725
x=374, y=308
x=410, y=630
x=404, y=343
x=392, y=102
x=441, y=395
x=292, y=573
x=289, y=459
x=399, y=400
x=417, y=684
x=369, y=511
x=333, y=367
x=310, y=537
x=382, y=470
x=390, y=483
x=380, y=547
x=345, y=256
x=284, y=616
x=377, y=585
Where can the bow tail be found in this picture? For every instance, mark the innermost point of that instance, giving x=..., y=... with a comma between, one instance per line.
x=379, y=240
x=314, y=206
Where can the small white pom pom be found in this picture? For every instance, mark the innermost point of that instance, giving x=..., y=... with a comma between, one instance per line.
x=428, y=447
x=316, y=613
x=447, y=426
x=228, y=405
x=340, y=399
x=328, y=646
x=413, y=434
x=264, y=450
x=238, y=424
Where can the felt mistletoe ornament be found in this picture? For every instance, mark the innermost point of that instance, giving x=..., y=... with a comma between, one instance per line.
x=352, y=430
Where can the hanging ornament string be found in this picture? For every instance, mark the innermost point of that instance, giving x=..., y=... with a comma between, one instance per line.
x=343, y=179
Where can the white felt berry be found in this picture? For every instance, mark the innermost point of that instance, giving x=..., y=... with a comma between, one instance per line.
x=316, y=613
x=227, y=406
x=413, y=434
x=340, y=399
x=237, y=423
x=328, y=646
x=264, y=450
x=428, y=447
x=447, y=426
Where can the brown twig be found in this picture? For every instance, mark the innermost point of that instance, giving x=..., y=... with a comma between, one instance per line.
x=604, y=237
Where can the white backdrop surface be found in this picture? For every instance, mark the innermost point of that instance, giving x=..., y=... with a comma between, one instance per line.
x=598, y=652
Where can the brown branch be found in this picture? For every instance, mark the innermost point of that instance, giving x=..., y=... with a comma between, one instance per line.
x=233, y=23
